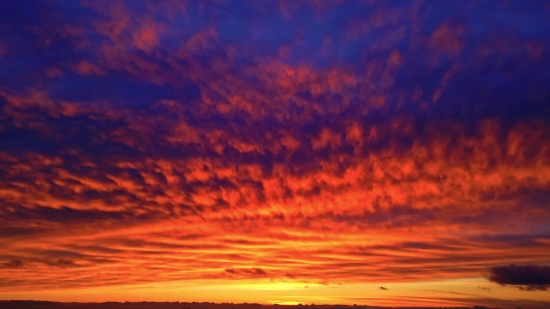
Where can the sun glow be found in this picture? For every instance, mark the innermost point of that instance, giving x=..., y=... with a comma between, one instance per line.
x=286, y=303
x=273, y=286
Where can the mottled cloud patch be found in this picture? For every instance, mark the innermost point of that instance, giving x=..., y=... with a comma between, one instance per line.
x=528, y=277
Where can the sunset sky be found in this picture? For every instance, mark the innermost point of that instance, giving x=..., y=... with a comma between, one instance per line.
x=388, y=152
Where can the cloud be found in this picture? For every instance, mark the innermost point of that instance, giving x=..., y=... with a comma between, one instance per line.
x=15, y=263
x=528, y=277
x=178, y=141
x=246, y=272
x=60, y=263
x=382, y=288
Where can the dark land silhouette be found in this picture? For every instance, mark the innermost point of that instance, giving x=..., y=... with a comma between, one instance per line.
x=23, y=304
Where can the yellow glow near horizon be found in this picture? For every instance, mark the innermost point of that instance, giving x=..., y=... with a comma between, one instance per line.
x=434, y=293
x=268, y=286
x=284, y=303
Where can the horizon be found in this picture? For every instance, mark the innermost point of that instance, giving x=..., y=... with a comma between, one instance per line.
x=386, y=153
x=230, y=304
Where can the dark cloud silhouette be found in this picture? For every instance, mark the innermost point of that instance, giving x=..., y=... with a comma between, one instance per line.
x=382, y=288
x=246, y=272
x=528, y=277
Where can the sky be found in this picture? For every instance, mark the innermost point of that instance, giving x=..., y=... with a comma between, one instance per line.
x=356, y=152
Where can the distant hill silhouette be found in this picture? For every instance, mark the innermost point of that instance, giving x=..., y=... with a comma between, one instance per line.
x=23, y=304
